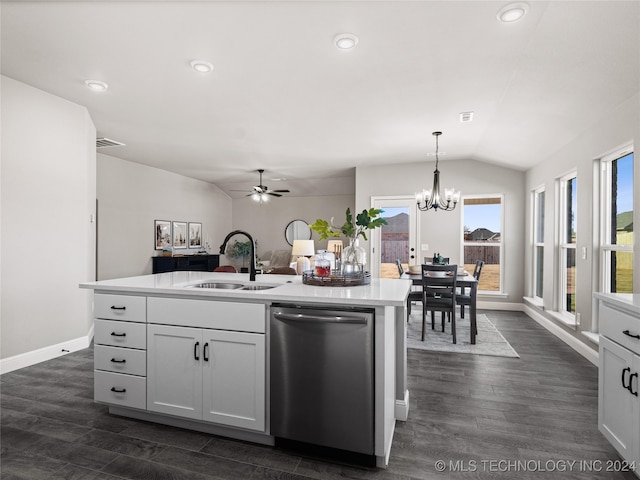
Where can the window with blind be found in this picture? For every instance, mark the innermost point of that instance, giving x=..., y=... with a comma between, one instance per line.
x=483, y=239
x=568, y=202
x=538, y=243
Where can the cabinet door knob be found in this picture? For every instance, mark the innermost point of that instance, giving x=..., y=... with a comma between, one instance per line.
x=624, y=371
x=631, y=384
x=629, y=334
x=196, y=353
x=205, y=355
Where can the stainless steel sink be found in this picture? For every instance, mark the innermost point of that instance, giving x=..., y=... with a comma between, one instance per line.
x=222, y=285
x=231, y=286
x=258, y=287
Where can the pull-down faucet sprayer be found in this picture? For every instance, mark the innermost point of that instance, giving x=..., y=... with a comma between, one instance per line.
x=252, y=263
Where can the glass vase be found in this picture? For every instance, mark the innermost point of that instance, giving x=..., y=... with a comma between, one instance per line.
x=354, y=258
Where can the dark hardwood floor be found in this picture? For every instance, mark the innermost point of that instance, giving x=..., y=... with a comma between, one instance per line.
x=485, y=417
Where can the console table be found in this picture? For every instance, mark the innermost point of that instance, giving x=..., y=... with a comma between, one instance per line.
x=202, y=263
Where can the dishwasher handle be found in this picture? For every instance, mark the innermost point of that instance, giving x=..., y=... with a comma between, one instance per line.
x=304, y=317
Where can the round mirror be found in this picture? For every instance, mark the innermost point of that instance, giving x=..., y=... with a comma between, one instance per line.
x=297, y=230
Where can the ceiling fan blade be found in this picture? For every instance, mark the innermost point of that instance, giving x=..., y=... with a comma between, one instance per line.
x=280, y=191
x=274, y=194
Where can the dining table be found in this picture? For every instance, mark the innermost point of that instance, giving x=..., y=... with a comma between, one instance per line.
x=464, y=280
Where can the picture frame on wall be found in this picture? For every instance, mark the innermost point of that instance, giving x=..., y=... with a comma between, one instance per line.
x=162, y=230
x=179, y=235
x=195, y=234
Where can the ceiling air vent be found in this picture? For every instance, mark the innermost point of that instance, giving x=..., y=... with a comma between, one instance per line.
x=107, y=142
x=466, y=117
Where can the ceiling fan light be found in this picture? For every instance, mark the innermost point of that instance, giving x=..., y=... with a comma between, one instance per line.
x=513, y=12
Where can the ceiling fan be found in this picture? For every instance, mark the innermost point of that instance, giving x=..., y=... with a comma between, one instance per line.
x=260, y=193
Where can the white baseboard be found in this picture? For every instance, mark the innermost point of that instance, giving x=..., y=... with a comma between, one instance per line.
x=512, y=307
x=580, y=347
x=27, y=359
x=402, y=407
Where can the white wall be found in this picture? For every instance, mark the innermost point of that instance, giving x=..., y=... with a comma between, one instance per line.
x=266, y=223
x=443, y=230
x=132, y=196
x=48, y=198
x=620, y=127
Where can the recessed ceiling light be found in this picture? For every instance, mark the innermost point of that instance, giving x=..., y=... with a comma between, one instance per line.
x=96, y=85
x=512, y=12
x=345, y=41
x=201, y=66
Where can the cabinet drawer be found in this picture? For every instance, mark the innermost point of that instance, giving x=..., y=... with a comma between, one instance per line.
x=220, y=315
x=120, y=334
x=120, y=307
x=120, y=360
x=619, y=326
x=120, y=389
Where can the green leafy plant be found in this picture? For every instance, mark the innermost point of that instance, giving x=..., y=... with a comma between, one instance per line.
x=240, y=250
x=365, y=220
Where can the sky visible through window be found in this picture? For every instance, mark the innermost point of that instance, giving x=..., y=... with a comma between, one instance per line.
x=625, y=183
x=482, y=216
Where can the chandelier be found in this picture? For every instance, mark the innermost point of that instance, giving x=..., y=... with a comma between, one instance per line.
x=428, y=199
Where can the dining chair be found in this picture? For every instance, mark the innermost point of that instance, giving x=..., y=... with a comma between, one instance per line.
x=414, y=295
x=439, y=294
x=463, y=298
x=226, y=268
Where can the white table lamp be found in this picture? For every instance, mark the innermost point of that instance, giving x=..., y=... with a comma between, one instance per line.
x=303, y=249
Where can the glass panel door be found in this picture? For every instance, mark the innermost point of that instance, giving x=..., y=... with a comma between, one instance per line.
x=396, y=240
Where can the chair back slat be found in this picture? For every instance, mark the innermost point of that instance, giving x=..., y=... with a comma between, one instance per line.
x=439, y=280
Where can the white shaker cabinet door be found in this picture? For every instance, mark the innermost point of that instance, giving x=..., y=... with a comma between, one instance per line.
x=174, y=370
x=234, y=379
x=618, y=411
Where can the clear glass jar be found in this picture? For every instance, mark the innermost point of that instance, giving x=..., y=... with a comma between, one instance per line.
x=323, y=264
x=354, y=258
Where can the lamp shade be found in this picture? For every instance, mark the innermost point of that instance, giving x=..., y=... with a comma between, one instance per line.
x=303, y=248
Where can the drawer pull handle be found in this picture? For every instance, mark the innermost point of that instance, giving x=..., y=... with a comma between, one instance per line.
x=196, y=354
x=114, y=334
x=631, y=384
x=629, y=334
x=118, y=390
x=118, y=361
x=204, y=352
x=114, y=307
x=624, y=371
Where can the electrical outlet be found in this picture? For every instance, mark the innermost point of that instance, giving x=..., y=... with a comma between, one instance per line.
x=584, y=253
x=424, y=247
x=578, y=318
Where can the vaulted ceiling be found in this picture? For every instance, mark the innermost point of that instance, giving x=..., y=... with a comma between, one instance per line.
x=282, y=97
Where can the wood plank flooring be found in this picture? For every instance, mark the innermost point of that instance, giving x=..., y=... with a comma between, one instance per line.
x=484, y=417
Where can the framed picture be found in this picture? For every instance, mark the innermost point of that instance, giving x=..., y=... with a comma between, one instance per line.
x=163, y=233
x=179, y=234
x=195, y=235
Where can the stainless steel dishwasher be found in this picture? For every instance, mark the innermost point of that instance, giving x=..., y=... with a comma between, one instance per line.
x=322, y=383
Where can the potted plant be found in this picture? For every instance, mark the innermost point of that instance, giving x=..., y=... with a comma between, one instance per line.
x=353, y=256
x=240, y=250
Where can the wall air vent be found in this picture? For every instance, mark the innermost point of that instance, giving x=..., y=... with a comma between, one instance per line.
x=106, y=142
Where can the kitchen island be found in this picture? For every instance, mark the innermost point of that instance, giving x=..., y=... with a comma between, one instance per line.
x=221, y=384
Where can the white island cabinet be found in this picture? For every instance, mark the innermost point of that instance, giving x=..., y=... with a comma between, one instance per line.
x=196, y=357
x=208, y=374
x=619, y=368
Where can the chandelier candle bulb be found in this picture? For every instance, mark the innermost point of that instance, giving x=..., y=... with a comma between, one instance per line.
x=432, y=199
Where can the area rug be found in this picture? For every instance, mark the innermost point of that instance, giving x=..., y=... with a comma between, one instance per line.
x=489, y=340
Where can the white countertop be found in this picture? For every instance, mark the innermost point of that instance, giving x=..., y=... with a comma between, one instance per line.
x=381, y=291
x=629, y=301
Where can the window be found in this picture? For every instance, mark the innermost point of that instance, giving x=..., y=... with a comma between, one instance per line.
x=482, y=217
x=538, y=242
x=616, y=194
x=567, y=243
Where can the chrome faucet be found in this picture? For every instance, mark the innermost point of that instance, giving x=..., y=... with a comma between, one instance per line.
x=252, y=264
